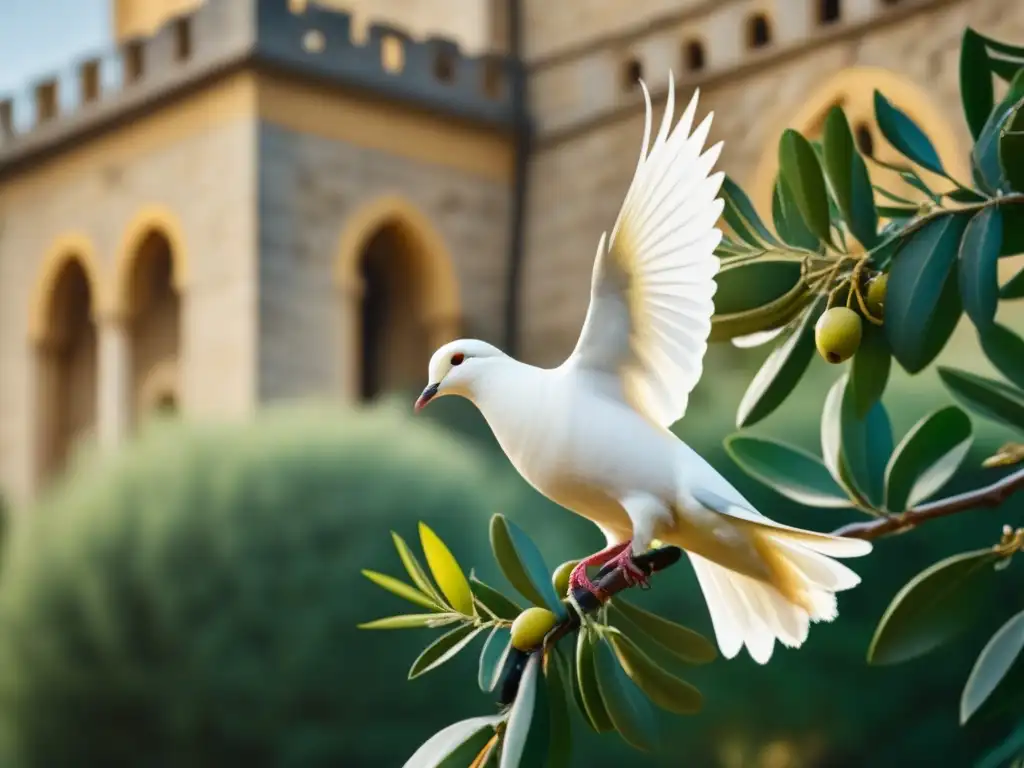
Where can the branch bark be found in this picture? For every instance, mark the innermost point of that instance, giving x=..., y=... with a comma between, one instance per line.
x=989, y=496
x=609, y=579
x=614, y=581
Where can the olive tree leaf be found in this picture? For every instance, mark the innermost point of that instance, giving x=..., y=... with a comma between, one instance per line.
x=447, y=573
x=788, y=222
x=991, y=399
x=799, y=166
x=995, y=660
x=792, y=472
x=752, y=284
x=848, y=175
x=591, y=700
x=781, y=371
x=905, y=135
x=626, y=706
x=529, y=728
x=409, y=621
x=927, y=457
x=403, y=590
x=1011, y=148
x=869, y=371
x=1014, y=287
x=738, y=204
x=756, y=339
x=523, y=565
x=985, y=166
x=918, y=287
x=867, y=444
x=436, y=750
x=832, y=441
x=558, y=679
x=682, y=642
x=495, y=602
x=443, y=649
x=976, y=91
x=934, y=607
x=1011, y=158
x=415, y=570
x=979, y=259
x=1005, y=350
x=492, y=658
x=658, y=684
x=1008, y=749
x=901, y=213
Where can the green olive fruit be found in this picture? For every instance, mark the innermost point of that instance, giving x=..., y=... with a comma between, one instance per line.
x=560, y=578
x=837, y=334
x=875, y=298
x=530, y=627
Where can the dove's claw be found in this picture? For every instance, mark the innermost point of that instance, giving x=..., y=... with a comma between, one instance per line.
x=634, y=574
x=578, y=577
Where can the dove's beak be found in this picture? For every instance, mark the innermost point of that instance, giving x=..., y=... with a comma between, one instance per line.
x=426, y=396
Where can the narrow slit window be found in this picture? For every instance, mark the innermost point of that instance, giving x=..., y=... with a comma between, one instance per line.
x=759, y=33
x=693, y=56
x=631, y=74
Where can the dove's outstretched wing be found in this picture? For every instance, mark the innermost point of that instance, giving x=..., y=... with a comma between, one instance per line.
x=650, y=300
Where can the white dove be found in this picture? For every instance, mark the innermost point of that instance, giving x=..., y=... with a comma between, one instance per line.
x=592, y=434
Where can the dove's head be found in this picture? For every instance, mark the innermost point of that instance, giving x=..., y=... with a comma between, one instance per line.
x=456, y=368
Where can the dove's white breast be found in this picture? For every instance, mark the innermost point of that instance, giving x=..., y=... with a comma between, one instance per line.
x=577, y=446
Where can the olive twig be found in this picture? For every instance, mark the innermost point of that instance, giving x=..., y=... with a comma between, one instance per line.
x=858, y=270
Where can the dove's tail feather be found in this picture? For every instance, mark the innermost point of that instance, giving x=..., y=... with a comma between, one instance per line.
x=800, y=588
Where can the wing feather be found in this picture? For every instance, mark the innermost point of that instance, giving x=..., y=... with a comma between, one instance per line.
x=653, y=282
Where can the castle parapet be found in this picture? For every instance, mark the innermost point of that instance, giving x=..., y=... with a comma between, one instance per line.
x=318, y=43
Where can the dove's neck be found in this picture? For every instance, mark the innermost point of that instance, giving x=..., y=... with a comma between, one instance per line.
x=500, y=393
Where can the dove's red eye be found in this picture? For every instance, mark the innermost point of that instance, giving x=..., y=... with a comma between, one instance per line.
x=457, y=358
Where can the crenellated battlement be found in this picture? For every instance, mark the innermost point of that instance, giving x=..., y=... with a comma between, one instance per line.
x=222, y=35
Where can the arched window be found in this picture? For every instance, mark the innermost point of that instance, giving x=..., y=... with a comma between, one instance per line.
x=394, y=341
x=153, y=312
x=398, y=298
x=66, y=357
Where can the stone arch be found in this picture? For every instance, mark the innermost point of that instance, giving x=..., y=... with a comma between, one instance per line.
x=853, y=88
x=390, y=249
x=74, y=247
x=149, y=219
x=64, y=308
x=149, y=290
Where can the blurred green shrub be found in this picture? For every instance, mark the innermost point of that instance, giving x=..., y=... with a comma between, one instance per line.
x=193, y=601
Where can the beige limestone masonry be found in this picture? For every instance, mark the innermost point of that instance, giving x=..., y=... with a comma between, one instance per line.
x=207, y=180
x=309, y=188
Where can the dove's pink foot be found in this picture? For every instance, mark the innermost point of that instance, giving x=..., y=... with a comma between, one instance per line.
x=578, y=576
x=634, y=573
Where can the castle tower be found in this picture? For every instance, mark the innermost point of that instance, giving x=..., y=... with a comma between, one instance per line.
x=244, y=201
